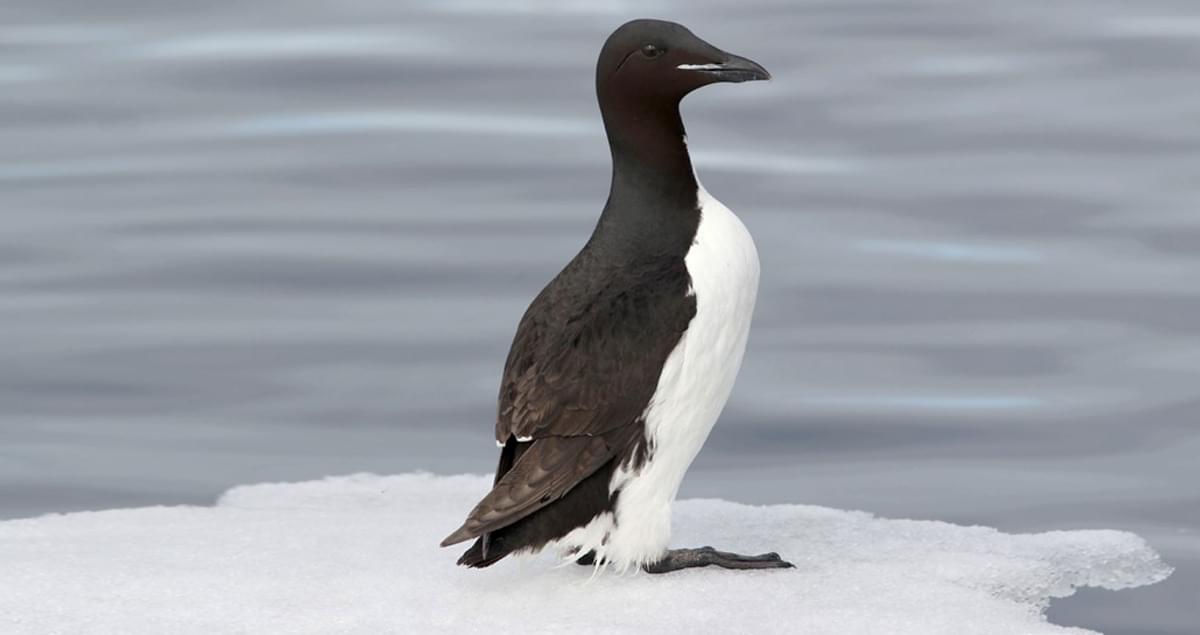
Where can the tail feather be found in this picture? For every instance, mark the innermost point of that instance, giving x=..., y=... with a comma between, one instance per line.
x=548, y=469
x=474, y=556
x=532, y=522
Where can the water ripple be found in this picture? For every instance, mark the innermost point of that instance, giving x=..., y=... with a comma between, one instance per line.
x=409, y=121
x=951, y=252
x=283, y=44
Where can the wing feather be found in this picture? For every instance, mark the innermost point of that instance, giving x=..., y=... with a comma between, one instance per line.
x=544, y=473
x=583, y=366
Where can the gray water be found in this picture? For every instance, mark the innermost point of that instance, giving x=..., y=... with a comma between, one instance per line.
x=246, y=242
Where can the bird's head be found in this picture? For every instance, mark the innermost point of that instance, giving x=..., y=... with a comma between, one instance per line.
x=655, y=61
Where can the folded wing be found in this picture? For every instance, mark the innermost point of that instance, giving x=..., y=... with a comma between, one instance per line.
x=583, y=366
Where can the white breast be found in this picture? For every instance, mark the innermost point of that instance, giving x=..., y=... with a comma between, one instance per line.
x=692, y=390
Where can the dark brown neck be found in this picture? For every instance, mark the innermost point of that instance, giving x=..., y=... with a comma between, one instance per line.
x=649, y=149
x=652, y=204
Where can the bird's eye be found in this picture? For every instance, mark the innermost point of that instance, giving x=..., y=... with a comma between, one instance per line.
x=650, y=51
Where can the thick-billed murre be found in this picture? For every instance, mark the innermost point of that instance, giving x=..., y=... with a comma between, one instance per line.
x=622, y=364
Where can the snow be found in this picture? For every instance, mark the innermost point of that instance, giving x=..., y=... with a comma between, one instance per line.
x=358, y=554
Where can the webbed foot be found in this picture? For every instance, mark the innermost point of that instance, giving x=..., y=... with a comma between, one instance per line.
x=677, y=559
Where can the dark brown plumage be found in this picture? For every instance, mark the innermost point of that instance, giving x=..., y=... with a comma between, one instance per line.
x=582, y=368
x=588, y=353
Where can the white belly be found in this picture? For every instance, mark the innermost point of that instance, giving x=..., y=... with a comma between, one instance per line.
x=692, y=389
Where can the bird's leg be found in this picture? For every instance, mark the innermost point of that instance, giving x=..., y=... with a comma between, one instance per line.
x=676, y=559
